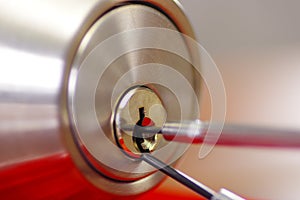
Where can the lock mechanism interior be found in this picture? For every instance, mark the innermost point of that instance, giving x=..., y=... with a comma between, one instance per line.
x=138, y=107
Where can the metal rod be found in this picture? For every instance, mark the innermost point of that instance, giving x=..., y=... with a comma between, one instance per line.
x=179, y=176
x=233, y=135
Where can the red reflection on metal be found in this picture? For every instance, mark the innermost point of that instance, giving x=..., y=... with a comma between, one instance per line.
x=147, y=122
x=53, y=177
x=56, y=177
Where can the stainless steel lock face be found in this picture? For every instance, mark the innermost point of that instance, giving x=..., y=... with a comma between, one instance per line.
x=94, y=91
x=60, y=79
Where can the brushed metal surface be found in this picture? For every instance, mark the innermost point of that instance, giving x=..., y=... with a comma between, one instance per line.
x=107, y=53
x=38, y=42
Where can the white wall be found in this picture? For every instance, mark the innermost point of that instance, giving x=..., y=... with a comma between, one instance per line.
x=256, y=45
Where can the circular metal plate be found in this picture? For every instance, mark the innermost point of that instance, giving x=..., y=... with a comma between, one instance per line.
x=108, y=62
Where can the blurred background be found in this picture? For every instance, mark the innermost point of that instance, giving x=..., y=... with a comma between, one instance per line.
x=256, y=45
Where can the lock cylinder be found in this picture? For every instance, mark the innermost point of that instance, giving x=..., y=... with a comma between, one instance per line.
x=71, y=74
x=117, y=77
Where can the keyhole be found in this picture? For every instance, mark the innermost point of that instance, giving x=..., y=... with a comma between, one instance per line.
x=144, y=142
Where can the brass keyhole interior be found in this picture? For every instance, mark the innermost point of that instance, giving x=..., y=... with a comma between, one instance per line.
x=137, y=108
x=144, y=142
